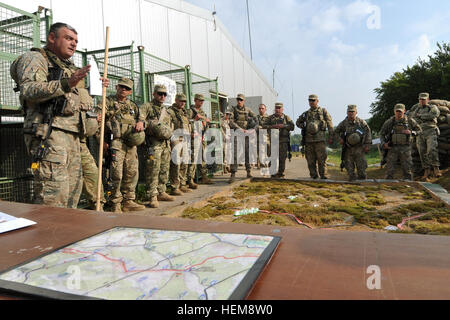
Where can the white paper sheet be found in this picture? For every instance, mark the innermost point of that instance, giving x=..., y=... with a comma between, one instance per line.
x=95, y=86
x=9, y=223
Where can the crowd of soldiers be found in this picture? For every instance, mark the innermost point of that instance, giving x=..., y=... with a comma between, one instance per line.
x=60, y=115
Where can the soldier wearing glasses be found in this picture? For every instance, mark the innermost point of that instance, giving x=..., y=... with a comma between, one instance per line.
x=157, y=123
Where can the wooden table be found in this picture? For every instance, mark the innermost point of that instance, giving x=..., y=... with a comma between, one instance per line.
x=308, y=264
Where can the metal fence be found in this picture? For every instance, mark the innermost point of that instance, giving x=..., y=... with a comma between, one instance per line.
x=19, y=32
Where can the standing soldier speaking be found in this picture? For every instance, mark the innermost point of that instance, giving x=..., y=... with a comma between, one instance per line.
x=426, y=116
x=241, y=119
x=265, y=143
x=355, y=137
x=315, y=122
x=395, y=136
x=157, y=122
x=121, y=118
x=54, y=99
x=280, y=121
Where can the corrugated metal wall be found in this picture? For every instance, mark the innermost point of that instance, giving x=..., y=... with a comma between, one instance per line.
x=170, y=29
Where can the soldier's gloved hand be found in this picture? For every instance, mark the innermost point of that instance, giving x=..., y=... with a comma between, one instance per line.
x=366, y=149
x=79, y=75
x=140, y=126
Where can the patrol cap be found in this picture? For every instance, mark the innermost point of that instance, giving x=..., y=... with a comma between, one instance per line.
x=313, y=97
x=228, y=111
x=160, y=88
x=199, y=96
x=126, y=82
x=352, y=107
x=399, y=106
x=181, y=97
x=240, y=96
x=424, y=96
x=278, y=105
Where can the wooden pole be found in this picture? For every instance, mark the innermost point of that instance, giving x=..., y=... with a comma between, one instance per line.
x=102, y=127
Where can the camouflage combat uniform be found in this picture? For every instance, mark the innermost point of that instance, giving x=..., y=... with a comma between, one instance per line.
x=121, y=118
x=240, y=119
x=178, y=172
x=427, y=143
x=399, y=143
x=262, y=120
x=58, y=180
x=315, y=122
x=355, y=155
x=284, y=138
x=201, y=126
x=417, y=168
x=158, y=150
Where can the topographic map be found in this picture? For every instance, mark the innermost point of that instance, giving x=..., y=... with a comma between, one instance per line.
x=130, y=263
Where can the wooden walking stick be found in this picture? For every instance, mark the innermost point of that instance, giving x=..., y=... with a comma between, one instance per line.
x=102, y=128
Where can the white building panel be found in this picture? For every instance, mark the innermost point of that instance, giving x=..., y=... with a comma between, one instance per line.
x=199, y=46
x=179, y=37
x=215, y=53
x=248, y=80
x=155, y=31
x=228, y=75
x=238, y=73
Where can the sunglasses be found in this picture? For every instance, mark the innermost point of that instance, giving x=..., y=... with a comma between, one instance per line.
x=311, y=100
x=162, y=94
x=239, y=99
x=124, y=87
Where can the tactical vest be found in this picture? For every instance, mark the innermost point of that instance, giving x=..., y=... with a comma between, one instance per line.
x=121, y=117
x=284, y=133
x=241, y=116
x=181, y=121
x=425, y=124
x=398, y=137
x=354, y=134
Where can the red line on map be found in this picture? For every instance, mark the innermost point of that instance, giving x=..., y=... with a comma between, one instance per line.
x=124, y=267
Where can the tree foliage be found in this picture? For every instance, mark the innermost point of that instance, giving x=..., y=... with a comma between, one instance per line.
x=431, y=75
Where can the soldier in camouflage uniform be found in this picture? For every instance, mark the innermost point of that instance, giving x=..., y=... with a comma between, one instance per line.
x=120, y=122
x=280, y=121
x=178, y=171
x=88, y=164
x=199, y=122
x=241, y=119
x=43, y=75
x=315, y=122
x=356, y=135
x=262, y=119
x=158, y=125
x=395, y=136
x=225, y=126
x=426, y=116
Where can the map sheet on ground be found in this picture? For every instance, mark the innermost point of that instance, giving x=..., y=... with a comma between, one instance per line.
x=131, y=263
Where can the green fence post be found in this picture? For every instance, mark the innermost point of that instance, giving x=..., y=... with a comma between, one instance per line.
x=188, y=77
x=144, y=88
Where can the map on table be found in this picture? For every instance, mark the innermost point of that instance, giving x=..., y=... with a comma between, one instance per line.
x=134, y=264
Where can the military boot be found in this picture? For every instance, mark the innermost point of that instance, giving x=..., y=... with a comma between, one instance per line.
x=437, y=173
x=192, y=185
x=426, y=174
x=154, y=202
x=176, y=192
x=130, y=206
x=232, y=178
x=165, y=197
x=116, y=208
x=185, y=189
x=206, y=180
x=249, y=174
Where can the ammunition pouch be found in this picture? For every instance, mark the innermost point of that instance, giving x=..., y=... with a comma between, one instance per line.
x=400, y=139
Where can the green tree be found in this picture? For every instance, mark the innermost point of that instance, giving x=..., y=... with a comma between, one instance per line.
x=431, y=75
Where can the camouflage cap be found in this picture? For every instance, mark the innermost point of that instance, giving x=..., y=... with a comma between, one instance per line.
x=313, y=97
x=279, y=105
x=424, y=96
x=199, y=96
x=240, y=96
x=160, y=88
x=228, y=111
x=126, y=82
x=181, y=97
x=352, y=107
x=399, y=106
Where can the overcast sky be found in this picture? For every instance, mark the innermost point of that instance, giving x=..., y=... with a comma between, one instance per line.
x=340, y=50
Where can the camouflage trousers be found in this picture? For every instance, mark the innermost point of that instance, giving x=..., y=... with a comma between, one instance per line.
x=282, y=156
x=316, y=156
x=90, y=175
x=191, y=169
x=356, y=157
x=178, y=172
x=400, y=153
x=124, y=172
x=234, y=165
x=59, y=179
x=427, y=144
x=265, y=143
x=157, y=169
x=417, y=168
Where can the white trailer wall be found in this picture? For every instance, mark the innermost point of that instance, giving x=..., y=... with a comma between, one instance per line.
x=173, y=30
